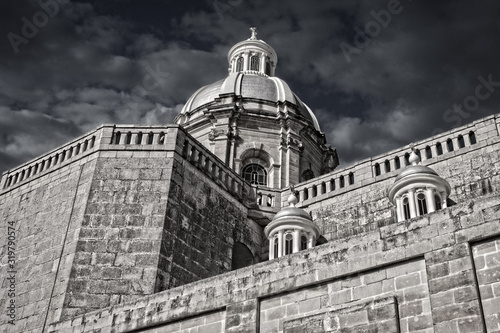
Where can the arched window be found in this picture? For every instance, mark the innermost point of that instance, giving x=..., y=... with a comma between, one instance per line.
x=332, y=184
x=239, y=64
x=421, y=203
x=428, y=152
x=314, y=190
x=377, y=169
x=323, y=188
x=461, y=141
x=275, y=246
x=306, y=193
x=288, y=243
x=351, y=178
x=437, y=201
x=242, y=256
x=407, y=159
x=387, y=166
x=150, y=138
x=128, y=138
x=255, y=174
x=439, y=148
x=303, y=242
x=254, y=63
x=397, y=162
x=449, y=144
x=472, y=138
x=268, y=68
x=406, y=208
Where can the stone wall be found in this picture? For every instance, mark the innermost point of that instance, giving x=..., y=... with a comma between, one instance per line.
x=487, y=264
x=419, y=274
x=342, y=209
x=119, y=242
x=46, y=214
x=202, y=224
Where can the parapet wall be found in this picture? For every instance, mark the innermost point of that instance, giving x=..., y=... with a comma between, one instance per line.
x=90, y=221
x=360, y=204
x=434, y=273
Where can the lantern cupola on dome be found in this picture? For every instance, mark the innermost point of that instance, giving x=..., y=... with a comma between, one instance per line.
x=252, y=56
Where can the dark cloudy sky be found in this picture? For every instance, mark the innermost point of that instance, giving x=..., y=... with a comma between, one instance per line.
x=91, y=62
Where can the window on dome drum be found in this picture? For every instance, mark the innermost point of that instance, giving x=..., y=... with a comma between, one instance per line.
x=351, y=178
x=268, y=68
x=275, y=246
x=254, y=63
x=255, y=174
x=406, y=208
x=407, y=159
x=397, y=162
x=342, y=182
x=239, y=64
x=303, y=242
x=288, y=243
x=422, y=204
x=377, y=169
x=387, y=166
x=437, y=201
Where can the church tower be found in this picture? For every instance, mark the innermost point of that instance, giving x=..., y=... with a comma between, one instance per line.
x=255, y=124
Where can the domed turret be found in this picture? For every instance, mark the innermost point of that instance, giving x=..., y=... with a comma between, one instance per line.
x=291, y=230
x=254, y=122
x=418, y=190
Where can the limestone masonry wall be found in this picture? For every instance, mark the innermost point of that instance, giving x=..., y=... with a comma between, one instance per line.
x=416, y=276
x=362, y=206
x=46, y=214
x=109, y=221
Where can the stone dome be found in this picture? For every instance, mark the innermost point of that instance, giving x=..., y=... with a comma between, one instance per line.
x=251, y=86
x=415, y=170
x=251, y=80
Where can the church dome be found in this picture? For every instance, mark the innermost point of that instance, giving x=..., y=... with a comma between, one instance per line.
x=249, y=86
x=251, y=79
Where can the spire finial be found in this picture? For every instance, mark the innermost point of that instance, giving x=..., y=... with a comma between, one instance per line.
x=292, y=199
x=414, y=159
x=254, y=33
